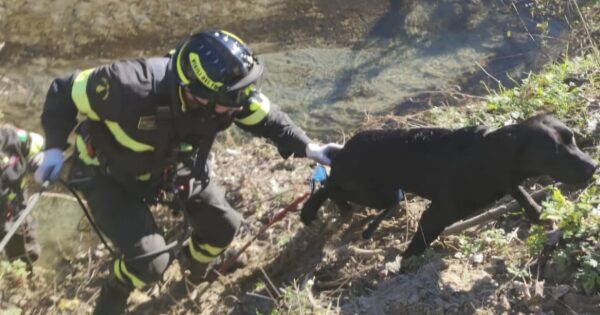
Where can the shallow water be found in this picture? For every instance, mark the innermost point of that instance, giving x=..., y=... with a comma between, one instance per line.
x=330, y=90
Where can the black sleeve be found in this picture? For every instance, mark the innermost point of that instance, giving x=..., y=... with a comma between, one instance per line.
x=59, y=115
x=279, y=128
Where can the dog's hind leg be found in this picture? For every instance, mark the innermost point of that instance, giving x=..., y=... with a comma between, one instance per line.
x=368, y=232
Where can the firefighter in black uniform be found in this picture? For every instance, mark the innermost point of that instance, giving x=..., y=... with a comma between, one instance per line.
x=142, y=117
x=20, y=152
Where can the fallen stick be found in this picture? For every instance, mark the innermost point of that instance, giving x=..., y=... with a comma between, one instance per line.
x=493, y=213
x=355, y=251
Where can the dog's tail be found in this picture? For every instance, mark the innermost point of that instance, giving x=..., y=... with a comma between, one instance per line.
x=312, y=205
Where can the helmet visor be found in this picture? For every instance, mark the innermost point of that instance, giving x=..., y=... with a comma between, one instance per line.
x=237, y=94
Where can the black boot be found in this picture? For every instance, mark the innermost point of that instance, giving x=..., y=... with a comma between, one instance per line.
x=197, y=272
x=194, y=271
x=113, y=298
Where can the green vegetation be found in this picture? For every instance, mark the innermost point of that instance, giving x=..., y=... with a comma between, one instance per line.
x=567, y=90
x=579, y=222
x=490, y=242
x=558, y=89
x=15, y=270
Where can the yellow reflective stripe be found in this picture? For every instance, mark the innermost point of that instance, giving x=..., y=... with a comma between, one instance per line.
x=182, y=100
x=121, y=267
x=36, y=145
x=213, y=250
x=249, y=89
x=117, y=271
x=125, y=140
x=185, y=147
x=144, y=177
x=79, y=94
x=201, y=73
x=198, y=256
x=182, y=76
x=83, y=152
x=260, y=107
x=234, y=36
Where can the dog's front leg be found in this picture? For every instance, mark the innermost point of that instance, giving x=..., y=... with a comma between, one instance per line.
x=311, y=207
x=532, y=208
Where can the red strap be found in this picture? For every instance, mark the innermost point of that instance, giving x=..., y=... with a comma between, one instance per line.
x=292, y=206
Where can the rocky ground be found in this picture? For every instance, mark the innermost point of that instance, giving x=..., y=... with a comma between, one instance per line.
x=323, y=269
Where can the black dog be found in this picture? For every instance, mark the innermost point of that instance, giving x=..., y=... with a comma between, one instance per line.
x=460, y=170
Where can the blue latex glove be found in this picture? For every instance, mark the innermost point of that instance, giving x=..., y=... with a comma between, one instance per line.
x=321, y=153
x=51, y=166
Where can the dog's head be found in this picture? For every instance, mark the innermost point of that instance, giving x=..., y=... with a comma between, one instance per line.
x=548, y=148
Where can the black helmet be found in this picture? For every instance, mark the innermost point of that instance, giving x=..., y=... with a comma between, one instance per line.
x=218, y=66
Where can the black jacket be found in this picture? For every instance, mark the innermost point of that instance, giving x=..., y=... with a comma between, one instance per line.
x=120, y=103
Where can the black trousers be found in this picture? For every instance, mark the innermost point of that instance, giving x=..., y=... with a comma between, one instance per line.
x=127, y=221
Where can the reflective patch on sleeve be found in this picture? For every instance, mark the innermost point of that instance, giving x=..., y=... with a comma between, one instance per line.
x=125, y=140
x=144, y=177
x=79, y=94
x=185, y=147
x=260, y=106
